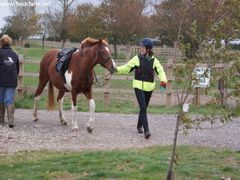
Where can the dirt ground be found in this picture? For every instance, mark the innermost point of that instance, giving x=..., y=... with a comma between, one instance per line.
x=111, y=131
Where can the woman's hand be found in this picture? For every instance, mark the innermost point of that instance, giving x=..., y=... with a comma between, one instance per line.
x=163, y=85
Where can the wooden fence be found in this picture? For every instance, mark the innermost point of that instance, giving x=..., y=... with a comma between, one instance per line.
x=170, y=95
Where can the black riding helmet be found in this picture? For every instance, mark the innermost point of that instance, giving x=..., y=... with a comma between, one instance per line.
x=147, y=43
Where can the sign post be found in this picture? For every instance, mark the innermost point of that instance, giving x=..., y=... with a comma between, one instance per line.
x=200, y=79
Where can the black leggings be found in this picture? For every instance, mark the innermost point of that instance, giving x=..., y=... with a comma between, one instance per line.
x=143, y=98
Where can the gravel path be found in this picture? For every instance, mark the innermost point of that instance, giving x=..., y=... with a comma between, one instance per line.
x=111, y=131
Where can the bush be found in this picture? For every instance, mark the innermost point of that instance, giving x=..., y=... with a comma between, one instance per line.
x=235, y=46
x=27, y=45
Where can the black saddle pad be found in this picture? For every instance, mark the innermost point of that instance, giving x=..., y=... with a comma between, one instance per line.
x=63, y=59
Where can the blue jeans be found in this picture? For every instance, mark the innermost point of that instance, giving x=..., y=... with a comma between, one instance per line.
x=7, y=95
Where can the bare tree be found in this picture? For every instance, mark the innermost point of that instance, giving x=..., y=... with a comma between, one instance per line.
x=24, y=19
x=59, y=20
x=44, y=28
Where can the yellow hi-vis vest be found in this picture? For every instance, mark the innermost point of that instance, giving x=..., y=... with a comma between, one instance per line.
x=139, y=84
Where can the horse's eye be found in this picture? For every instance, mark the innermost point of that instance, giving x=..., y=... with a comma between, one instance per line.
x=103, y=53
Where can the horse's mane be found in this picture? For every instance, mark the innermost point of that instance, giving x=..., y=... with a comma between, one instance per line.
x=91, y=42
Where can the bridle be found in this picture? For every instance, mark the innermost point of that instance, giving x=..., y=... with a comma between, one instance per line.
x=105, y=60
x=106, y=77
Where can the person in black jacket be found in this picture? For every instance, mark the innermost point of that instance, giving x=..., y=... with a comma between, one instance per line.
x=9, y=69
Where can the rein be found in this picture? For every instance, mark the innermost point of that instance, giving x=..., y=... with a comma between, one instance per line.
x=106, y=78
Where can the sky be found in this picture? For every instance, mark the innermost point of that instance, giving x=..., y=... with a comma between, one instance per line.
x=5, y=11
x=40, y=7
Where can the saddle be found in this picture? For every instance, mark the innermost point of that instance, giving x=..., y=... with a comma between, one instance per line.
x=63, y=60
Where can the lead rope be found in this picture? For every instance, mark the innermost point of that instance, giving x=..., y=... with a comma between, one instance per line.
x=96, y=81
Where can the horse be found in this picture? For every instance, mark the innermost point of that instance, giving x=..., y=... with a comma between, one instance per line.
x=79, y=77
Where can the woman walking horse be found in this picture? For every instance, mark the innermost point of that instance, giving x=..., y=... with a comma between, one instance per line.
x=78, y=77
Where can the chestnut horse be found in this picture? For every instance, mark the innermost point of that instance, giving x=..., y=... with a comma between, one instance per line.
x=79, y=77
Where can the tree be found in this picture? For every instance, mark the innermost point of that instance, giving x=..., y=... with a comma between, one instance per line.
x=86, y=22
x=202, y=13
x=124, y=20
x=167, y=19
x=7, y=29
x=23, y=22
x=59, y=20
x=209, y=53
x=44, y=27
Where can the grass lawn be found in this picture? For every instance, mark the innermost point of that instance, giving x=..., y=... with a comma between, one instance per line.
x=120, y=103
x=148, y=163
x=36, y=53
x=33, y=68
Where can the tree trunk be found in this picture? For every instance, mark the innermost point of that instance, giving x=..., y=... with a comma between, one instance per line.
x=115, y=48
x=170, y=175
x=43, y=40
x=62, y=44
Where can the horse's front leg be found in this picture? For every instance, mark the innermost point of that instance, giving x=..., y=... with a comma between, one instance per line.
x=91, y=110
x=91, y=116
x=74, y=111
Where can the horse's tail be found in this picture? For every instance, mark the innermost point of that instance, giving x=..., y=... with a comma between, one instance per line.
x=50, y=96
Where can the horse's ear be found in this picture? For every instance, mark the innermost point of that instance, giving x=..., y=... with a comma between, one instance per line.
x=100, y=41
x=103, y=41
x=106, y=39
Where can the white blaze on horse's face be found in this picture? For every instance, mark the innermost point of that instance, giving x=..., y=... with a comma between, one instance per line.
x=108, y=50
x=68, y=77
x=114, y=64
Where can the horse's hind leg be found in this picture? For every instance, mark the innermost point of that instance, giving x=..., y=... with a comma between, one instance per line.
x=35, y=106
x=60, y=99
x=91, y=111
x=42, y=83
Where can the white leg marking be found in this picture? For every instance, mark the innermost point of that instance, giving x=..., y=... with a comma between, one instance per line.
x=74, y=122
x=91, y=111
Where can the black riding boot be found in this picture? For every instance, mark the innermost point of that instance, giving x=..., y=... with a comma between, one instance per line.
x=2, y=114
x=139, y=126
x=10, y=115
x=147, y=133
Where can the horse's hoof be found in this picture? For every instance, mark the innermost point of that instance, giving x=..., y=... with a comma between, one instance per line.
x=64, y=123
x=35, y=120
x=75, y=130
x=89, y=129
